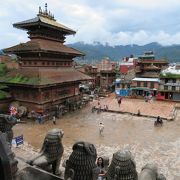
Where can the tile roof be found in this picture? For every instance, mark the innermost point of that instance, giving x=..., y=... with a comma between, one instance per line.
x=40, y=20
x=43, y=45
x=48, y=76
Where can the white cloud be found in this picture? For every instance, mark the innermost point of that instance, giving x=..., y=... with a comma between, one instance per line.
x=149, y=4
x=116, y=22
x=140, y=37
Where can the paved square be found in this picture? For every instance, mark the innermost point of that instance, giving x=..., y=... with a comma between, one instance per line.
x=154, y=108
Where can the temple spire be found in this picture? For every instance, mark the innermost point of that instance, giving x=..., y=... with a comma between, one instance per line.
x=40, y=9
x=45, y=13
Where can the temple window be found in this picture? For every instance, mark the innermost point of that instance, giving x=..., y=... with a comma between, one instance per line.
x=152, y=85
x=63, y=92
x=25, y=94
x=34, y=95
x=46, y=95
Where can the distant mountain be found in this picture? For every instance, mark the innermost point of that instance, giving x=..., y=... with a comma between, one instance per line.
x=97, y=51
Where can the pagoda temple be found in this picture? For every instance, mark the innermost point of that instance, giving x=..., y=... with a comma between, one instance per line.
x=149, y=67
x=46, y=77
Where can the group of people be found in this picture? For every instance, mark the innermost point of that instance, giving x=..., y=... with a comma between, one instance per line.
x=148, y=97
x=99, y=108
x=40, y=119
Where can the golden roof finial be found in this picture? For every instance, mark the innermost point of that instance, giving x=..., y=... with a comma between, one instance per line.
x=46, y=8
x=46, y=13
x=40, y=10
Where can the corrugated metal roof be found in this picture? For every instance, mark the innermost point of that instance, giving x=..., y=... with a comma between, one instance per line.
x=171, y=70
x=127, y=63
x=143, y=88
x=146, y=79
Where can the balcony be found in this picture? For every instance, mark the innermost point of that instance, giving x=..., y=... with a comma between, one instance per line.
x=169, y=88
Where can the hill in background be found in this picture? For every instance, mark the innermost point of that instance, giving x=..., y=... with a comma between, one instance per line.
x=97, y=51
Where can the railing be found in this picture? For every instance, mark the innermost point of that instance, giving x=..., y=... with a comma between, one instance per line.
x=169, y=88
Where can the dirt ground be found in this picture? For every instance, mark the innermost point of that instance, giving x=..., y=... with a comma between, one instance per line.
x=147, y=143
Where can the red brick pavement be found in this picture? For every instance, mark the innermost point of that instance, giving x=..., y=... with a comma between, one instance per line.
x=155, y=108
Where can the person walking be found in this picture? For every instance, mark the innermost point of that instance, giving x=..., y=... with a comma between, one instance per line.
x=98, y=103
x=54, y=120
x=107, y=108
x=101, y=128
x=119, y=101
x=139, y=112
x=39, y=118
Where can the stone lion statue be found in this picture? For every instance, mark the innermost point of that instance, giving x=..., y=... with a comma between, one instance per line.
x=51, y=152
x=150, y=172
x=6, y=124
x=8, y=163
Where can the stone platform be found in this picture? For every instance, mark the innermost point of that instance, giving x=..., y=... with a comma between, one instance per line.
x=151, y=108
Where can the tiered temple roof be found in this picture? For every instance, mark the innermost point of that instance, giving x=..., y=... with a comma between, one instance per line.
x=45, y=76
x=46, y=45
x=43, y=45
x=46, y=19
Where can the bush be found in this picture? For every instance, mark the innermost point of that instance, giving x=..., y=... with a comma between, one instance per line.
x=4, y=94
x=3, y=69
x=170, y=75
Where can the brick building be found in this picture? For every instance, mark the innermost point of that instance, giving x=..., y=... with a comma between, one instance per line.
x=144, y=86
x=148, y=67
x=107, y=74
x=169, y=88
x=127, y=64
x=46, y=77
x=91, y=71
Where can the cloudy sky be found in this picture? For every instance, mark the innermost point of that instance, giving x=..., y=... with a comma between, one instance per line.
x=116, y=22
